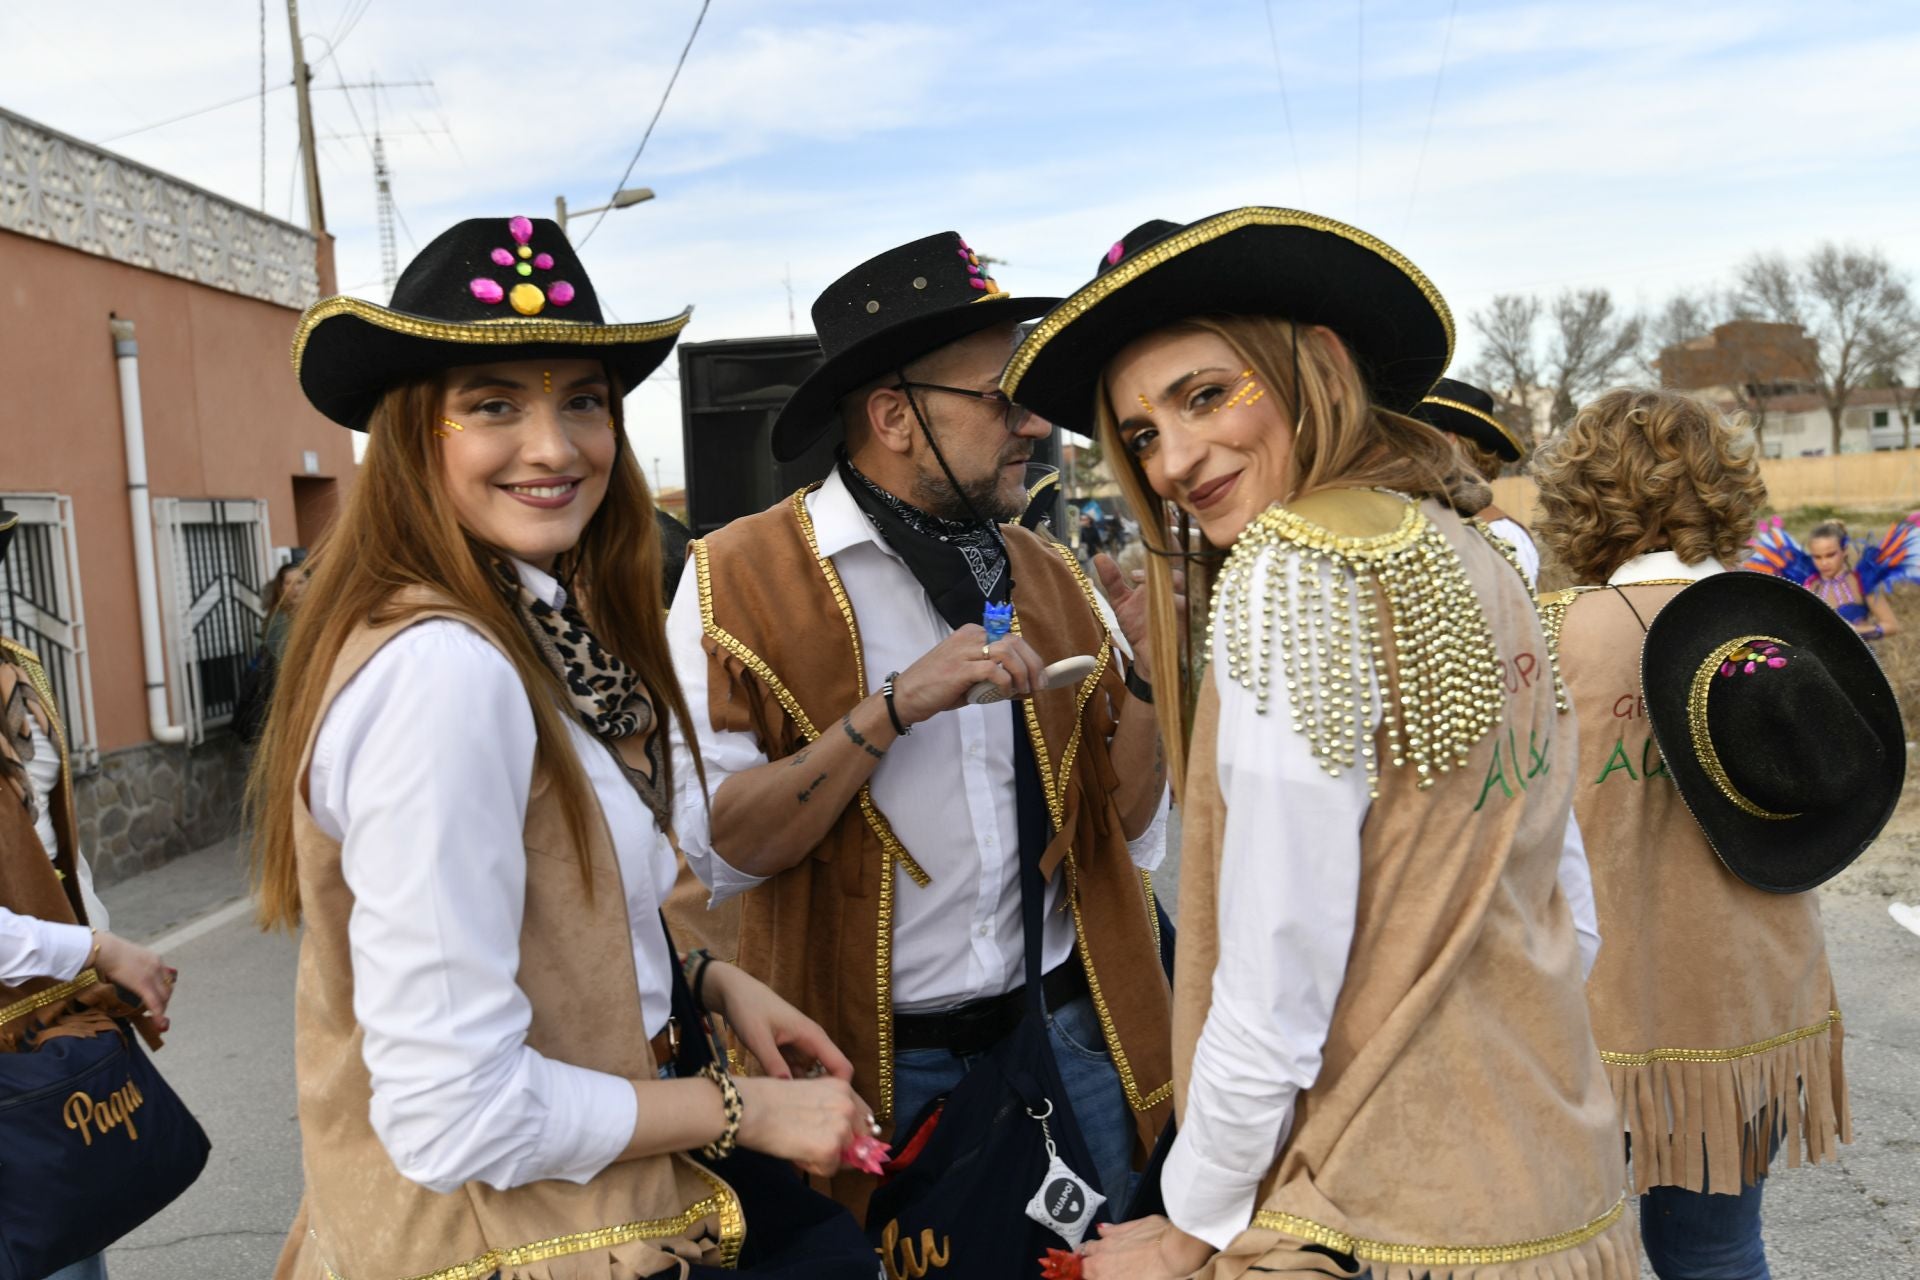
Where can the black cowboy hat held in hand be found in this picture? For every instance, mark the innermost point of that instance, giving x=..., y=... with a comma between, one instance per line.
x=886, y=312
x=486, y=289
x=1778, y=726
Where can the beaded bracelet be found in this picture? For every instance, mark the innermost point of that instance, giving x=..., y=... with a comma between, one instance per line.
x=730, y=1105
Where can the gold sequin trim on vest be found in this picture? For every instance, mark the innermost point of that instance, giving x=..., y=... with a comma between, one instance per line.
x=1734, y=1054
x=1056, y=793
x=51, y=996
x=722, y=1205
x=1447, y=692
x=1420, y=1255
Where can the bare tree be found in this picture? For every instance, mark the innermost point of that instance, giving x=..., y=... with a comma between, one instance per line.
x=1590, y=346
x=1587, y=346
x=1845, y=299
x=1895, y=354
x=1507, y=328
x=1684, y=317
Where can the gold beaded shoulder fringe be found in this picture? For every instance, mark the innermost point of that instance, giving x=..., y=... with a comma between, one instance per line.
x=1606, y=1249
x=1701, y=1119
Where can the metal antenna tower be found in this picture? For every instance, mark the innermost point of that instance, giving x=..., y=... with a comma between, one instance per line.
x=383, y=189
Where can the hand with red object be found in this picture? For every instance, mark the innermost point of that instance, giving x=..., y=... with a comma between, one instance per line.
x=1060, y=1264
x=868, y=1155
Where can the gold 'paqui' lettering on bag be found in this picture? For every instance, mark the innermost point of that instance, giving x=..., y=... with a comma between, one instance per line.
x=86, y=1114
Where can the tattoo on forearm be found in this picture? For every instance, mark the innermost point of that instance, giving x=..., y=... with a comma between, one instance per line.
x=811, y=787
x=799, y=757
x=846, y=722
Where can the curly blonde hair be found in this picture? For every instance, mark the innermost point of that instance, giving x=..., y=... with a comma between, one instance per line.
x=1640, y=470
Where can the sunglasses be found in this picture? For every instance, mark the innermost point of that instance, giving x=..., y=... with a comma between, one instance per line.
x=1016, y=415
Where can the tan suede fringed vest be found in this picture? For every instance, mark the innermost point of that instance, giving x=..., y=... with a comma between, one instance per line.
x=1460, y=1125
x=784, y=664
x=360, y=1219
x=36, y=1010
x=1712, y=1001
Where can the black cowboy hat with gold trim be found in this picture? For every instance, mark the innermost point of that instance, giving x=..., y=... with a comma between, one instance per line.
x=1256, y=261
x=1464, y=410
x=1777, y=724
x=485, y=290
x=886, y=312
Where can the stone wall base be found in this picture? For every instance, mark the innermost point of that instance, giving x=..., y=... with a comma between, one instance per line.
x=150, y=804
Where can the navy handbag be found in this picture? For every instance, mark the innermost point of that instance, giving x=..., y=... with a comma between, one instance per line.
x=92, y=1143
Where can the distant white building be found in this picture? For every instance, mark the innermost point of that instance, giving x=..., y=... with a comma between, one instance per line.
x=1798, y=426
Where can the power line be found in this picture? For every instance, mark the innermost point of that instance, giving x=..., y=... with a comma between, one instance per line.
x=263, y=106
x=1359, y=97
x=667, y=93
x=1446, y=45
x=218, y=106
x=1286, y=112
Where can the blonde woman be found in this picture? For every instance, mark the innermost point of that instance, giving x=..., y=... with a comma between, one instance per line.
x=1712, y=1002
x=1382, y=1059
x=462, y=793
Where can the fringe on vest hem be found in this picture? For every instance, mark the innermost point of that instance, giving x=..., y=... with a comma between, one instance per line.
x=1613, y=1254
x=1712, y=1125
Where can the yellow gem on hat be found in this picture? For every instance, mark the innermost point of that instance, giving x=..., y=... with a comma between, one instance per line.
x=525, y=252
x=527, y=299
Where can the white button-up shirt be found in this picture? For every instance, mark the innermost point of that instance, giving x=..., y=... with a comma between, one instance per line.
x=29, y=946
x=947, y=788
x=421, y=770
x=1289, y=889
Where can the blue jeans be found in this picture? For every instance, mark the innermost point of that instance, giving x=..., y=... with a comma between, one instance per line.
x=94, y=1268
x=1093, y=1087
x=1690, y=1235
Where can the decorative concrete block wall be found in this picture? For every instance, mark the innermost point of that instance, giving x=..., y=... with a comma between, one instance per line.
x=150, y=804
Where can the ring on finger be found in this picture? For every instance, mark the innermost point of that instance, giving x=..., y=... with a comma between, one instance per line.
x=986, y=651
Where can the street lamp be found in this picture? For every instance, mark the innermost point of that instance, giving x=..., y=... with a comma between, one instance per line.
x=621, y=199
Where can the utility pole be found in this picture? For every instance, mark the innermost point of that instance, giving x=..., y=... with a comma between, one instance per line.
x=316, y=214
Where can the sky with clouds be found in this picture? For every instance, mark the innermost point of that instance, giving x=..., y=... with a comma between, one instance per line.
x=1503, y=145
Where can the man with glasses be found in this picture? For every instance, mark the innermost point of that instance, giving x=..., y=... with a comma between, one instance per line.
x=871, y=815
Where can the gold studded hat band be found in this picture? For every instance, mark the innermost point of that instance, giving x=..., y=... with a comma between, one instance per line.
x=1741, y=656
x=486, y=290
x=1255, y=261
x=1491, y=421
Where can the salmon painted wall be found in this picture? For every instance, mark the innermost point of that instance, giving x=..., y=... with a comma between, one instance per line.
x=224, y=419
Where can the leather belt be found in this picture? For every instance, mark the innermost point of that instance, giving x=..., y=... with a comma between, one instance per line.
x=978, y=1025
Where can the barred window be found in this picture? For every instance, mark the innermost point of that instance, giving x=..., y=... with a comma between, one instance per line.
x=214, y=560
x=40, y=608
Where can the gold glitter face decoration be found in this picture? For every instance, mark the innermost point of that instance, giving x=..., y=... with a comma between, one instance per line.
x=546, y=381
x=451, y=426
x=1145, y=406
x=1250, y=392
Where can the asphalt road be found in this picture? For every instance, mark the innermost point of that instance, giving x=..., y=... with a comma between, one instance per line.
x=231, y=1058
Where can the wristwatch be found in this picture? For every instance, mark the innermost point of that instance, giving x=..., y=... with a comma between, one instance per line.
x=1137, y=686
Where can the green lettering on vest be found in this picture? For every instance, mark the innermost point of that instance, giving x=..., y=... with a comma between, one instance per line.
x=1541, y=753
x=1618, y=760
x=1652, y=763
x=1496, y=772
x=1520, y=775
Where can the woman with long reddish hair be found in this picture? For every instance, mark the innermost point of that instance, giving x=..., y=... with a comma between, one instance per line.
x=462, y=793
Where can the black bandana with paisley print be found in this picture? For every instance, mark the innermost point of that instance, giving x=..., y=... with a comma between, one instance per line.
x=962, y=565
x=605, y=694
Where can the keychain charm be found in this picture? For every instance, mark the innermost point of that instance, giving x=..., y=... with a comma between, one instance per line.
x=1066, y=1202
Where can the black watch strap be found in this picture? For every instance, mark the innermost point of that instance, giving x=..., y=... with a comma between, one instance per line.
x=1137, y=687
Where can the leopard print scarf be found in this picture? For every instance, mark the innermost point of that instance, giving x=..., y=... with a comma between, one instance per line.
x=604, y=693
